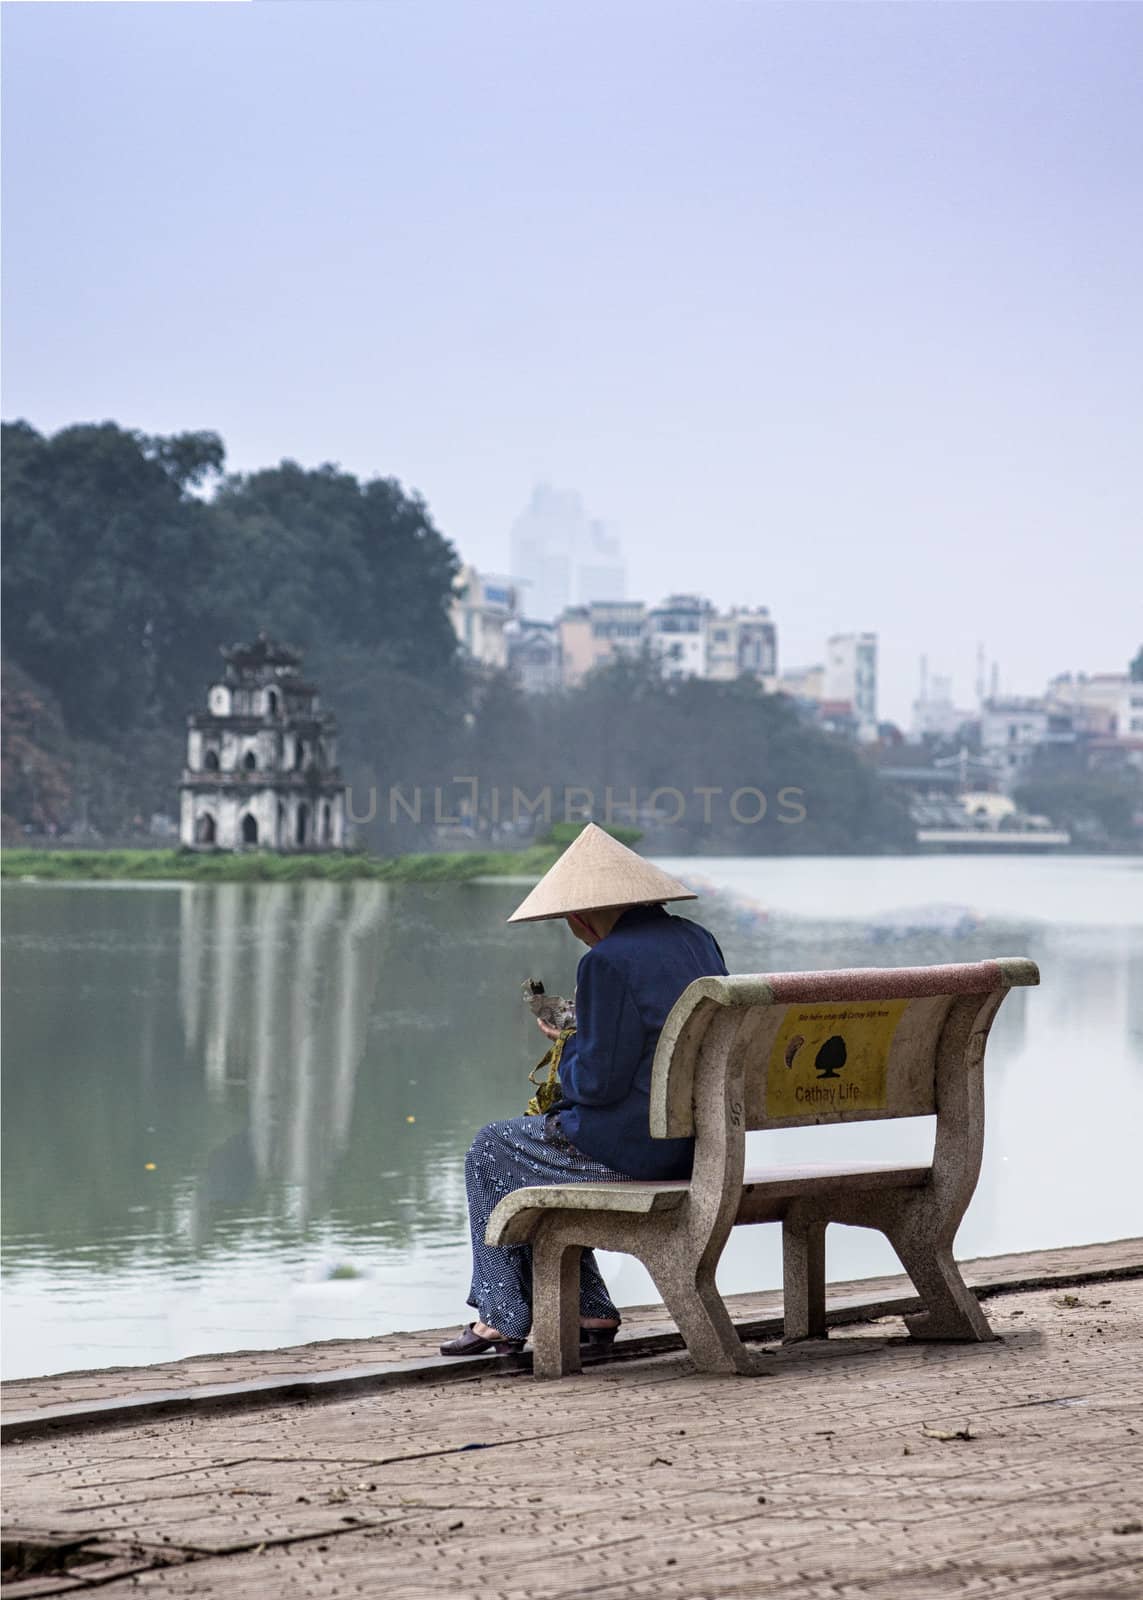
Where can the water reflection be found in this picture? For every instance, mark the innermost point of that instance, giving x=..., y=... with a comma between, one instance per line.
x=305, y=1050
x=278, y=981
x=302, y=1066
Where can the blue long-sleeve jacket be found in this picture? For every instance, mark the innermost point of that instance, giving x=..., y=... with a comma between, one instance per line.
x=625, y=987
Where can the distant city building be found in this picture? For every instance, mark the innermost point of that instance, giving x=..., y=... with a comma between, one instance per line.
x=600, y=574
x=594, y=634
x=838, y=716
x=562, y=557
x=934, y=712
x=541, y=545
x=676, y=633
x=1010, y=731
x=534, y=656
x=1106, y=704
x=741, y=643
x=684, y=634
x=261, y=765
x=803, y=683
x=1013, y=720
x=618, y=627
x=851, y=675
x=482, y=607
x=576, y=655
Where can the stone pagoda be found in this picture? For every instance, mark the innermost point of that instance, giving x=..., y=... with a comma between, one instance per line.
x=262, y=759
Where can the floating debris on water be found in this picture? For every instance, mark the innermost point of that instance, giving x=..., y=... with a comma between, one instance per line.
x=948, y=921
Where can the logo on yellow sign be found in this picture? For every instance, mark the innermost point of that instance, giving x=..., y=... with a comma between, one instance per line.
x=830, y=1058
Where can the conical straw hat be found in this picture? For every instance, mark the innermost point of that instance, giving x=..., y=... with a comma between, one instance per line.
x=595, y=873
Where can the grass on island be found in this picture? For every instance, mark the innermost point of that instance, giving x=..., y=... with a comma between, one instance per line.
x=268, y=866
x=265, y=866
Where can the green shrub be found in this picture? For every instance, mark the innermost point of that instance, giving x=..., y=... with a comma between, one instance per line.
x=267, y=866
x=563, y=833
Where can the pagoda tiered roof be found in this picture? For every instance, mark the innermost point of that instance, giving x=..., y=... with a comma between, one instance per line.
x=264, y=652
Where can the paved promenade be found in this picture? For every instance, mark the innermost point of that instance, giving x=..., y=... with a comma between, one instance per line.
x=864, y=1465
x=332, y=1366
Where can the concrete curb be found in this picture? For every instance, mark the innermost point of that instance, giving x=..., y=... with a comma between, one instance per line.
x=257, y=1394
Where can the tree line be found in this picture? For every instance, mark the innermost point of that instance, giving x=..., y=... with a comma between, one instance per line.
x=129, y=559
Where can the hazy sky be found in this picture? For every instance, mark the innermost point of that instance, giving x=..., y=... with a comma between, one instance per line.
x=835, y=309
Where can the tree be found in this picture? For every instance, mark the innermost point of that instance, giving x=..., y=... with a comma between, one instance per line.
x=37, y=773
x=699, y=743
x=1100, y=807
x=107, y=569
x=358, y=577
x=330, y=563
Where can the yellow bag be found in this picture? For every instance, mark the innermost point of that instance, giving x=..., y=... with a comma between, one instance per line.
x=548, y=1092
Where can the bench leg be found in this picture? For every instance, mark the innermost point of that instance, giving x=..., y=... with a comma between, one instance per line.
x=555, y=1308
x=951, y=1311
x=803, y=1278
x=701, y=1317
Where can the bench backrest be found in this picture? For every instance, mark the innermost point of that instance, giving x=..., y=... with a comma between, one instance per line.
x=792, y=1048
x=812, y=1047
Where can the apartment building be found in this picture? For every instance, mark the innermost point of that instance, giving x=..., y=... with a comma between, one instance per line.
x=481, y=609
x=742, y=642
x=676, y=633
x=851, y=676
x=593, y=634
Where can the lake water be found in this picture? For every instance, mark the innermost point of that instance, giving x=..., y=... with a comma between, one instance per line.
x=236, y=1115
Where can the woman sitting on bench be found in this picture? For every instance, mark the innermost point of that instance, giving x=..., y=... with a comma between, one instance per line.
x=639, y=961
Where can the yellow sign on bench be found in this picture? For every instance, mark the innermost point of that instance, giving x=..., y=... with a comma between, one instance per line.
x=831, y=1058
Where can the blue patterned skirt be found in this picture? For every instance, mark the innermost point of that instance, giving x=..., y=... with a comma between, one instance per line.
x=524, y=1153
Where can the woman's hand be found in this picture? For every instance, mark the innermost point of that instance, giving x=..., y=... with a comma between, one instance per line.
x=547, y=1029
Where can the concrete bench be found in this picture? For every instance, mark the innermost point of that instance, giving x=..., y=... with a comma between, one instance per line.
x=783, y=1051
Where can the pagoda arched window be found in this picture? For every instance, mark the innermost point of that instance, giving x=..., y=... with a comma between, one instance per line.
x=210, y=761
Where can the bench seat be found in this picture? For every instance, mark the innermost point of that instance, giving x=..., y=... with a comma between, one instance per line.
x=765, y=1193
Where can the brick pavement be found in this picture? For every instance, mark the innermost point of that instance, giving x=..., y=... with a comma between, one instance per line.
x=642, y=1479
x=24, y=1395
